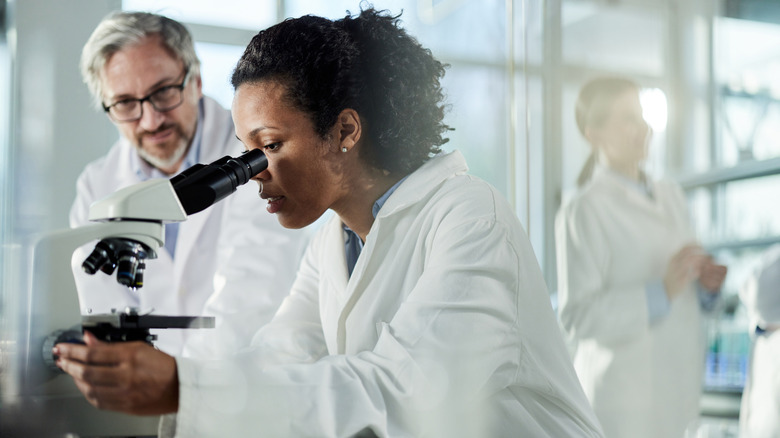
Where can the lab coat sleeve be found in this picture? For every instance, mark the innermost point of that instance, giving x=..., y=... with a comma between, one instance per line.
x=759, y=291
x=256, y=264
x=590, y=308
x=295, y=335
x=453, y=340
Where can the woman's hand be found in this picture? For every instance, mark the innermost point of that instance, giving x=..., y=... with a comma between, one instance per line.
x=683, y=268
x=129, y=377
x=712, y=275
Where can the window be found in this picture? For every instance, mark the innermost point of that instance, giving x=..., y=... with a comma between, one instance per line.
x=254, y=15
x=477, y=84
x=5, y=115
x=217, y=64
x=732, y=179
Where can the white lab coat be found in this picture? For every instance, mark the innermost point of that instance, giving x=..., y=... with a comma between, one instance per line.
x=233, y=247
x=445, y=328
x=642, y=380
x=759, y=415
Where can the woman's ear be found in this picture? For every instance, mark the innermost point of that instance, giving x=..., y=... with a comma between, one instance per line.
x=349, y=129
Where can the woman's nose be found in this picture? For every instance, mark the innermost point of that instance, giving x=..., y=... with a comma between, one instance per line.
x=265, y=175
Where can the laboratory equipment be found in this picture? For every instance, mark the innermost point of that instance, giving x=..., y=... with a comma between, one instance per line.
x=129, y=225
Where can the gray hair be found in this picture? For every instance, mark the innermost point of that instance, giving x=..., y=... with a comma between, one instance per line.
x=123, y=29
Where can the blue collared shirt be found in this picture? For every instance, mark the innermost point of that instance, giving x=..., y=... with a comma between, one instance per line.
x=353, y=246
x=146, y=171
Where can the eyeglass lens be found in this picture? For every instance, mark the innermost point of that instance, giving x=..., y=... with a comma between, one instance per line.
x=164, y=99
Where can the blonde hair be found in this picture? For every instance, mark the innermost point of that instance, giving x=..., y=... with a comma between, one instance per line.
x=592, y=109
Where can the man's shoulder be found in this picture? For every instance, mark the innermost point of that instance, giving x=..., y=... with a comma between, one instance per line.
x=113, y=166
x=218, y=131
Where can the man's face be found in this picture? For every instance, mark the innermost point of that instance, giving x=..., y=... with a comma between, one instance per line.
x=162, y=138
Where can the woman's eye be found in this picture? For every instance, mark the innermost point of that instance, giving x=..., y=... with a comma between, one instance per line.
x=271, y=147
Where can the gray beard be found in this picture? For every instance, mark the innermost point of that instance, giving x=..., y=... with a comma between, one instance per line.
x=164, y=163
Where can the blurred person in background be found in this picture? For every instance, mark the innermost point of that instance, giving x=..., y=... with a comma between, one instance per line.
x=142, y=70
x=759, y=415
x=632, y=279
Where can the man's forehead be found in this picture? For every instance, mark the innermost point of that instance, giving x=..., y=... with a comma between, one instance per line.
x=139, y=69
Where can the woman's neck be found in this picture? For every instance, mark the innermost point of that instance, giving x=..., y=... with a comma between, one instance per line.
x=632, y=171
x=356, y=209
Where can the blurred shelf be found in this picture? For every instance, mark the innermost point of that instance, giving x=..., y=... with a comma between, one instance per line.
x=740, y=244
x=744, y=170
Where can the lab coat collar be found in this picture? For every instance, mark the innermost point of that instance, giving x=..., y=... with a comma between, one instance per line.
x=608, y=180
x=336, y=270
x=416, y=187
x=420, y=183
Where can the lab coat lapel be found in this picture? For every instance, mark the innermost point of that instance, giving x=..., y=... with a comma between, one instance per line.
x=336, y=266
x=416, y=187
x=334, y=279
x=646, y=204
x=213, y=146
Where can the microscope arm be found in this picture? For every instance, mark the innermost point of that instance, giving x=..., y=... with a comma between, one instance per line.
x=190, y=192
x=53, y=302
x=135, y=213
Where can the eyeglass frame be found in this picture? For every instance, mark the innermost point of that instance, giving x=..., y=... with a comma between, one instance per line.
x=148, y=97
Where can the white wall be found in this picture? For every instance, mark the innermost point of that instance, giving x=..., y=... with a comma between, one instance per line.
x=54, y=129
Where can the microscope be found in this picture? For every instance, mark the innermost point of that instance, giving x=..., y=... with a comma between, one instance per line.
x=129, y=227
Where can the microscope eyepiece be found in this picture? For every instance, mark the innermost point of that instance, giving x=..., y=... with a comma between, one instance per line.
x=197, y=188
x=202, y=185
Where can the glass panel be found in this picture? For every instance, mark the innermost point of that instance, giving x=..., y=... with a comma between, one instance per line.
x=254, y=15
x=459, y=29
x=474, y=85
x=575, y=149
x=528, y=29
x=5, y=107
x=10, y=255
x=746, y=72
x=738, y=211
x=217, y=64
x=530, y=156
x=614, y=36
x=480, y=123
x=335, y=9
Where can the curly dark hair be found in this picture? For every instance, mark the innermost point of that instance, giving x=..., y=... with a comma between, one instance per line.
x=365, y=62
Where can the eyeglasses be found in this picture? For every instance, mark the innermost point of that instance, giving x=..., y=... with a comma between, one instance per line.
x=162, y=99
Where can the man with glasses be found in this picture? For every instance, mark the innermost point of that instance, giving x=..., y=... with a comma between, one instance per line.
x=142, y=70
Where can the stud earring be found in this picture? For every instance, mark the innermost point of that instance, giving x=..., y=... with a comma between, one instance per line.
x=344, y=149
